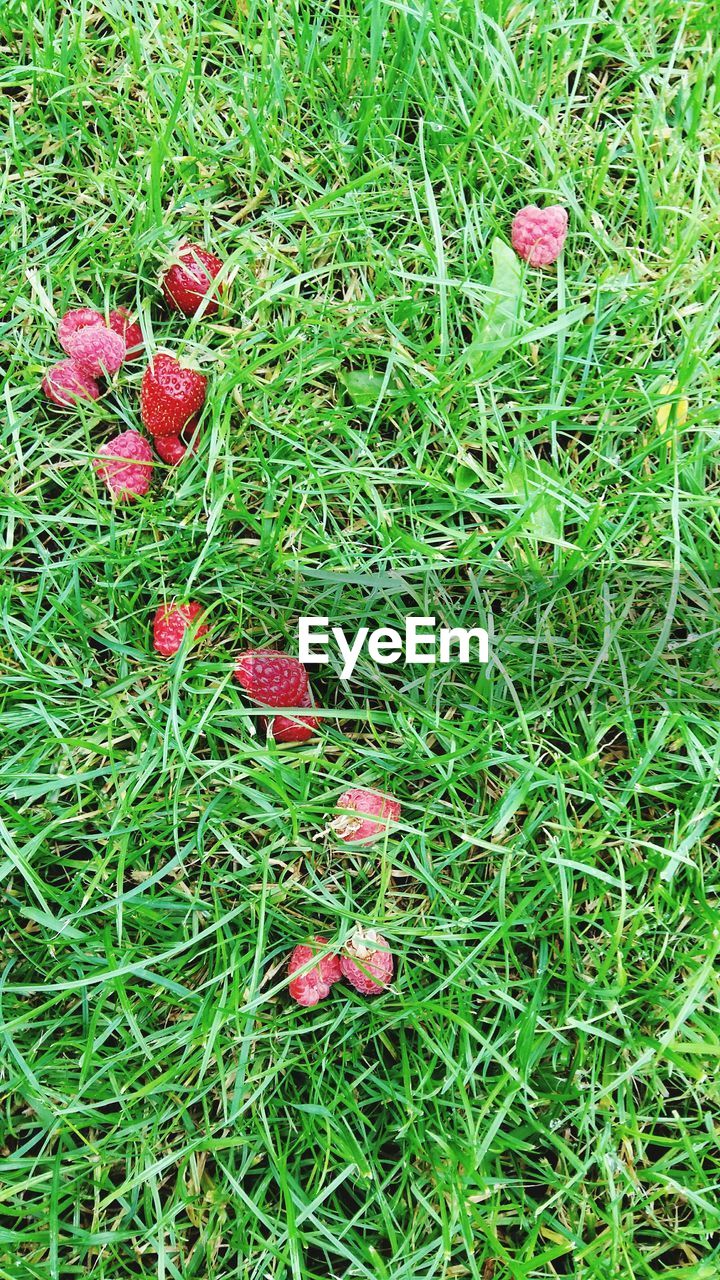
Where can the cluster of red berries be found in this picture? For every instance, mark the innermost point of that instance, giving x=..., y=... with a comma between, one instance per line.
x=365, y=961
x=171, y=394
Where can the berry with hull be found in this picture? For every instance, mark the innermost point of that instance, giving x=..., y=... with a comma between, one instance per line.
x=370, y=814
x=272, y=678
x=125, y=464
x=294, y=728
x=538, y=235
x=129, y=330
x=73, y=322
x=314, y=985
x=67, y=382
x=170, y=624
x=189, y=279
x=170, y=395
x=98, y=350
x=367, y=962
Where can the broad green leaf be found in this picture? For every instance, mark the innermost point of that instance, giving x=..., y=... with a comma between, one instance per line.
x=537, y=484
x=363, y=388
x=502, y=312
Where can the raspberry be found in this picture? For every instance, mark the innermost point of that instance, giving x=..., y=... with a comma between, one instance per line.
x=272, y=678
x=314, y=985
x=538, y=235
x=68, y=382
x=370, y=816
x=367, y=962
x=74, y=321
x=129, y=330
x=98, y=350
x=189, y=280
x=172, y=449
x=170, y=395
x=170, y=624
x=291, y=728
x=128, y=468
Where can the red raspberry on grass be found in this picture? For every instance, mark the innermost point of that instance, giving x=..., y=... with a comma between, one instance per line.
x=538, y=235
x=129, y=330
x=189, y=279
x=170, y=394
x=272, y=678
x=294, y=728
x=170, y=624
x=371, y=814
x=74, y=321
x=367, y=962
x=98, y=350
x=125, y=464
x=314, y=985
x=67, y=382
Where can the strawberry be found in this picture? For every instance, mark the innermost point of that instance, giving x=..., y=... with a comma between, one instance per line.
x=98, y=350
x=170, y=624
x=172, y=449
x=291, y=728
x=367, y=962
x=73, y=321
x=538, y=235
x=67, y=382
x=371, y=815
x=314, y=985
x=188, y=281
x=129, y=330
x=272, y=678
x=170, y=394
x=125, y=463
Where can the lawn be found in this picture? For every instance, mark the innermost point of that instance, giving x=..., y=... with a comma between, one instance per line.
x=537, y=1093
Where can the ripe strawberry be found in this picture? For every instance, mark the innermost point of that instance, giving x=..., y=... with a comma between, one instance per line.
x=170, y=624
x=371, y=814
x=128, y=329
x=67, y=382
x=538, y=235
x=98, y=350
x=314, y=985
x=189, y=280
x=272, y=678
x=73, y=321
x=294, y=728
x=367, y=962
x=170, y=394
x=125, y=463
x=172, y=449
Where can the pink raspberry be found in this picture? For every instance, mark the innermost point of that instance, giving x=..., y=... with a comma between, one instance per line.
x=125, y=464
x=170, y=624
x=129, y=330
x=314, y=985
x=67, y=382
x=97, y=350
x=367, y=962
x=371, y=814
x=73, y=321
x=538, y=235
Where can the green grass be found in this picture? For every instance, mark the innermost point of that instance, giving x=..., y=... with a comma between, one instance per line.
x=537, y=1095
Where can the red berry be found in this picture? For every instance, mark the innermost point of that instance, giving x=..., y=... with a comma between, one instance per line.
x=128, y=329
x=125, y=463
x=538, y=235
x=189, y=279
x=272, y=678
x=170, y=624
x=98, y=350
x=73, y=321
x=170, y=394
x=314, y=985
x=294, y=728
x=172, y=449
x=68, y=382
x=371, y=814
x=367, y=962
